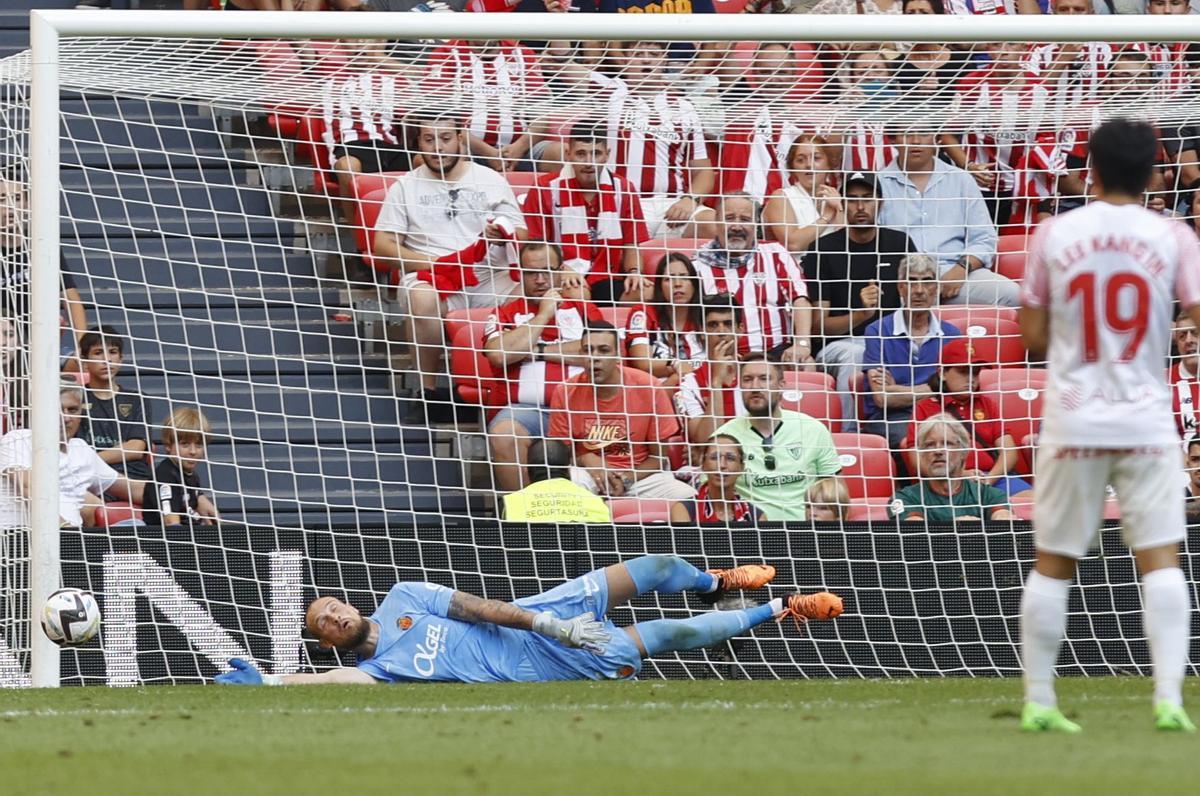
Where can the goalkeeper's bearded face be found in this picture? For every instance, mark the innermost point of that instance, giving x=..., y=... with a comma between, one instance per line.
x=336, y=624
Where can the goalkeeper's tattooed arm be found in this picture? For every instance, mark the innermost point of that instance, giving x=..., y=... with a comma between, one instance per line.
x=580, y=631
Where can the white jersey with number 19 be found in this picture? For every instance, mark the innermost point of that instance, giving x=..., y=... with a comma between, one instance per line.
x=1109, y=275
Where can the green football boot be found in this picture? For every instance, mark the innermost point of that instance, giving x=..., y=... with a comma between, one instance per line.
x=1039, y=718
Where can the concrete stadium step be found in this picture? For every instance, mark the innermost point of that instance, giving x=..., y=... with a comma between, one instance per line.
x=151, y=356
x=271, y=388
x=382, y=468
x=189, y=265
x=104, y=292
x=179, y=128
x=256, y=498
x=306, y=337
x=75, y=154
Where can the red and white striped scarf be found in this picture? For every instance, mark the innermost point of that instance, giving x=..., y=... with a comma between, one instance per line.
x=572, y=230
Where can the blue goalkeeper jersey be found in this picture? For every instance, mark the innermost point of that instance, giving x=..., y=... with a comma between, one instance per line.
x=417, y=641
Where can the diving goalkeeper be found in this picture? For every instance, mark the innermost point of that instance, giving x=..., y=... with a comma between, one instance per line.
x=423, y=631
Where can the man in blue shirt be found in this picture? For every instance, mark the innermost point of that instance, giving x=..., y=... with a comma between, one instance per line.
x=903, y=350
x=427, y=632
x=940, y=207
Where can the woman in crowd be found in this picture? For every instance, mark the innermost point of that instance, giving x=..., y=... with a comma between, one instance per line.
x=665, y=336
x=716, y=500
x=14, y=394
x=809, y=205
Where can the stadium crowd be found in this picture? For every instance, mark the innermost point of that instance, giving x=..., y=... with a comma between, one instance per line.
x=676, y=298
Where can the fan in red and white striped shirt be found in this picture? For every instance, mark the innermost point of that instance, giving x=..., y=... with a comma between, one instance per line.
x=656, y=140
x=703, y=408
x=495, y=79
x=763, y=277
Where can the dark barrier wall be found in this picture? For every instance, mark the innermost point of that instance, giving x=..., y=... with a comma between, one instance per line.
x=919, y=600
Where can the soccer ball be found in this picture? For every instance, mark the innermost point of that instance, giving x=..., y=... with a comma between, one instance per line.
x=70, y=617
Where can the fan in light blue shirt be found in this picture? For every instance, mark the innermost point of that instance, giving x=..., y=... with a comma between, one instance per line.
x=941, y=208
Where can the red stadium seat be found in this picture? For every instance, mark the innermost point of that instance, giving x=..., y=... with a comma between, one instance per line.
x=995, y=341
x=654, y=252
x=1019, y=393
x=521, y=182
x=815, y=395
x=1011, y=264
x=112, y=515
x=458, y=319
x=616, y=315
x=964, y=315
x=730, y=6
x=1022, y=505
x=869, y=509
x=640, y=510
x=369, y=193
x=310, y=148
x=473, y=375
x=1013, y=243
x=806, y=80
x=867, y=468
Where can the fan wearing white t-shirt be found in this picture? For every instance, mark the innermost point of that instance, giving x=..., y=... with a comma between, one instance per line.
x=82, y=475
x=1098, y=298
x=535, y=341
x=449, y=229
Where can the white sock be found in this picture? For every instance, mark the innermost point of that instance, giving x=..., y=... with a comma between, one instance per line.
x=1043, y=623
x=1165, y=615
x=776, y=605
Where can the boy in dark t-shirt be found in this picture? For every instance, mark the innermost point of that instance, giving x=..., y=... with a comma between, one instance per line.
x=116, y=419
x=181, y=499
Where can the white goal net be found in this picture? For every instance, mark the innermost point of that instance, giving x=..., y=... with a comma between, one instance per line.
x=330, y=302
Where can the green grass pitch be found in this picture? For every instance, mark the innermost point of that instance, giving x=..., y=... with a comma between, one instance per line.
x=651, y=737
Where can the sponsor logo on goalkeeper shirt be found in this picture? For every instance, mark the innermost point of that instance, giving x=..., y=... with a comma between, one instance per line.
x=404, y=623
x=426, y=655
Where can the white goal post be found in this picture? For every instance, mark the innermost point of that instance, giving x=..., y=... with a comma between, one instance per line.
x=49, y=29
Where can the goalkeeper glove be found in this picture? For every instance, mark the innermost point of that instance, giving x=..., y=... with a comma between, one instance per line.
x=246, y=673
x=582, y=632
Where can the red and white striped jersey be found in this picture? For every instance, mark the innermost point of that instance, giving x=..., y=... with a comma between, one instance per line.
x=980, y=7
x=752, y=156
x=641, y=328
x=766, y=282
x=652, y=139
x=1185, y=399
x=1080, y=80
x=867, y=149
x=694, y=398
x=1108, y=276
x=1168, y=64
x=706, y=511
x=361, y=107
x=496, y=84
x=534, y=383
x=1038, y=173
x=984, y=92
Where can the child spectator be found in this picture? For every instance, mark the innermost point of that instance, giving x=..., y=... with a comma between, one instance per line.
x=717, y=500
x=180, y=496
x=828, y=501
x=116, y=420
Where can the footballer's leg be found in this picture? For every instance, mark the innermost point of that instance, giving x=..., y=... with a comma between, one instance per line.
x=1153, y=525
x=677, y=635
x=1071, y=484
x=668, y=574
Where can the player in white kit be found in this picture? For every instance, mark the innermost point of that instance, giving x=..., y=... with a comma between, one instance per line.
x=1098, y=298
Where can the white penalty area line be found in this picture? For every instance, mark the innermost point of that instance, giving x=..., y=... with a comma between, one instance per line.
x=657, y=706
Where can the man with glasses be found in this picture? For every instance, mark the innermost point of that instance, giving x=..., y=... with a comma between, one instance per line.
x=903, y=351
x=785, y=452
x=446, y=228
